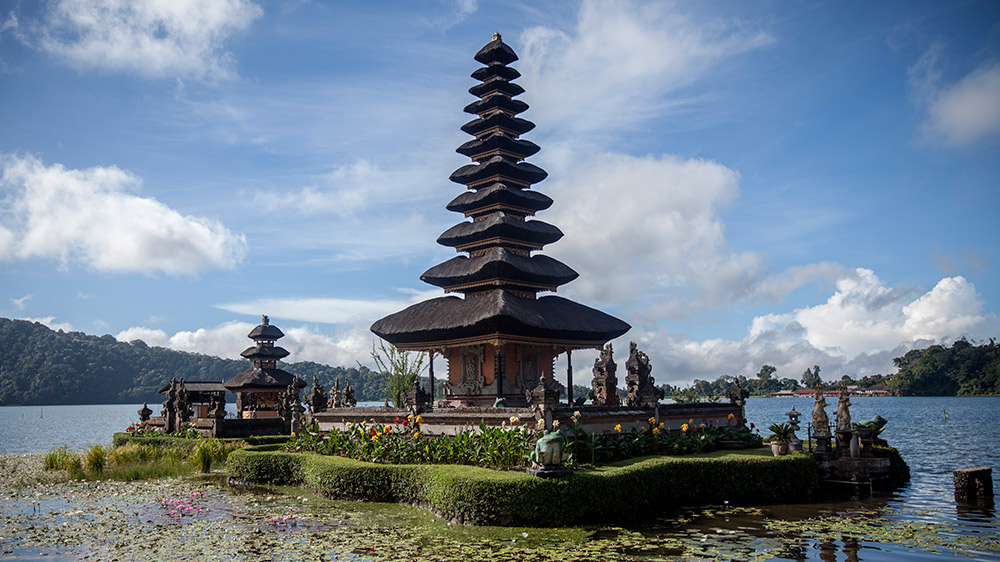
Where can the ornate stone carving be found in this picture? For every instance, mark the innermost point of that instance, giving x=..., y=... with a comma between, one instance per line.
x=642, y=393
x=181, y=404
x=604, y=386
x=418, y=399
x=218, y=410
x=821, y=422
x=349, y=401
x=737, y=394
x=843, y=410
x=544, y=394
x=317, y=399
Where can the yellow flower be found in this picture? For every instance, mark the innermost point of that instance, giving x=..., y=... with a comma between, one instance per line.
x=661, y=425
x=656, y=431
x=684, y=427
x=652, y=421
x=514, y=419
x=701, y=425
x=410, y=417
x=730, y=416
x=691, y=420
x=643, y=428
x=576, y=413
x=388, y=429
x=374, y=437
x=555, y=425
x=419, y=419
x=416, y=435
x=618, y=428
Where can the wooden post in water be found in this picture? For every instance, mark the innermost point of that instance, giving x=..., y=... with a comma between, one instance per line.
x=973, y=484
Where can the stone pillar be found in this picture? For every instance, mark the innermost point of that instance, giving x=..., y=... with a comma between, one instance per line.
x=973, y=484
x=569, y=377
x=430, y=374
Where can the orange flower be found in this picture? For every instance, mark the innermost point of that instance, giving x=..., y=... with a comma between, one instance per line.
x=684, y=427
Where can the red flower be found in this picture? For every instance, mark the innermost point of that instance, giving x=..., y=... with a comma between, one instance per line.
x=752, y=425
x=395, y=419
x=373, y=431
x=695, y=430
x=405, y=422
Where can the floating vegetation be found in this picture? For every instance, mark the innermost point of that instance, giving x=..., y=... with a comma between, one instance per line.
x=176, y=518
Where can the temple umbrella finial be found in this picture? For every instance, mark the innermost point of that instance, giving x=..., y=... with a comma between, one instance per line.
x=264, y=319
x=496, y=36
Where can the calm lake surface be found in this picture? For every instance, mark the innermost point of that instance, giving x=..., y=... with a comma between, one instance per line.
x=934, y=435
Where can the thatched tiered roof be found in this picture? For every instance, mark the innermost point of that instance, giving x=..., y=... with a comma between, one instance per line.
x=500, y=278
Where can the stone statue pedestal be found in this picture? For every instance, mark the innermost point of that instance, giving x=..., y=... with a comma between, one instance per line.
x=549, y=471
x=844, y=443
x=822, y=443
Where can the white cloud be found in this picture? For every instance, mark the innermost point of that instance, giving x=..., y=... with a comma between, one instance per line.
x=329, y=310
x=154, y=38
x=90, y=216
x=343, y=192
x=227, y=340
x=614, y=67
x=961, y=113
x=50, y=322
x=21, y=303
x=647, y=229
x=857, y=331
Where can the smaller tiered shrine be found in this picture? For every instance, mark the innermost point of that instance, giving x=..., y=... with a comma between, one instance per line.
x=260, y=389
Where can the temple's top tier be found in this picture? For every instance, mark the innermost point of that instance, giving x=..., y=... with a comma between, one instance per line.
x=496, y=52
x=265, y=331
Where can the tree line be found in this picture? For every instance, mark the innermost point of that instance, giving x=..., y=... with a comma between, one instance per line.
x=42, y=366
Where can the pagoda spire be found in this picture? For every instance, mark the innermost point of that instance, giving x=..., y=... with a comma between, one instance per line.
x=499, y=269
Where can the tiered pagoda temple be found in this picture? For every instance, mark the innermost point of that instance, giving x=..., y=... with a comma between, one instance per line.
x=259, y=389
x=500, y=338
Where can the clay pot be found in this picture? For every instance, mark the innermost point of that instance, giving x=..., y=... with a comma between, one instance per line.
x=779, y=448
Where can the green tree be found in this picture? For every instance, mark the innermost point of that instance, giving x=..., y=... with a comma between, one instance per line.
x=811, y=378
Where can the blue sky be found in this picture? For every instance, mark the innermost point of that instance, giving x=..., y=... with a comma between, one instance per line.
x=745, y=183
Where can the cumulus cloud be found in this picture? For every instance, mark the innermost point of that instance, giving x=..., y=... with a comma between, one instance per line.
x=92, y=217
x=227, y=340
x=156, y=38
x=618, y=62
x=861, y=327
x=960, y=113
x=330, y=310
x=647, y=229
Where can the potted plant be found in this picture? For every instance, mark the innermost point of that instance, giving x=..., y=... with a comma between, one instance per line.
x=781, y=434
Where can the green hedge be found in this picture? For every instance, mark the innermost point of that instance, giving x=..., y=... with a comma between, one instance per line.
x=467, y=494
x=160, y=440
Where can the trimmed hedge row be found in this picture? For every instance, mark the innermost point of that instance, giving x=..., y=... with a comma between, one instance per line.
x=474, y=495
x=160, y=440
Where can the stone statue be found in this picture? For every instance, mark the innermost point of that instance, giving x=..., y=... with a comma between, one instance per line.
x=418, y=399
x=737, y=394
x=843, y=409
x=317, y=400
x=349, y=400
x=144, y=412
x=876, y=423
x=604, y=386
x=218, y=410
x=181, y=405
x=821, y=423
x=642, y=393
x=169, y=411
x=548, y=456
x=336, y=395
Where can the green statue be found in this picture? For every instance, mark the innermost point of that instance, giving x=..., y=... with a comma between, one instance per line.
x=876, y=423
x=549, y=450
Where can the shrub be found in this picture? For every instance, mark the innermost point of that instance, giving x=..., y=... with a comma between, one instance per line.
x=56, y=458
x=203, y=455
x=95, y=458
x=475, y=495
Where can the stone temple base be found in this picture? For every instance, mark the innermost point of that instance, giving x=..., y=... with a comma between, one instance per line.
x=549, y=471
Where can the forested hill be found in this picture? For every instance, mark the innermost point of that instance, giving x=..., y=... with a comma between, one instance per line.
x=42, y=366
x=960, y=370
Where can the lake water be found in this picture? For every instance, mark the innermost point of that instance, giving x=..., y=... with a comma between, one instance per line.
x=934, y=435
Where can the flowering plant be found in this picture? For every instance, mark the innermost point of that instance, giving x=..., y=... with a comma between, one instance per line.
x=141, y=428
